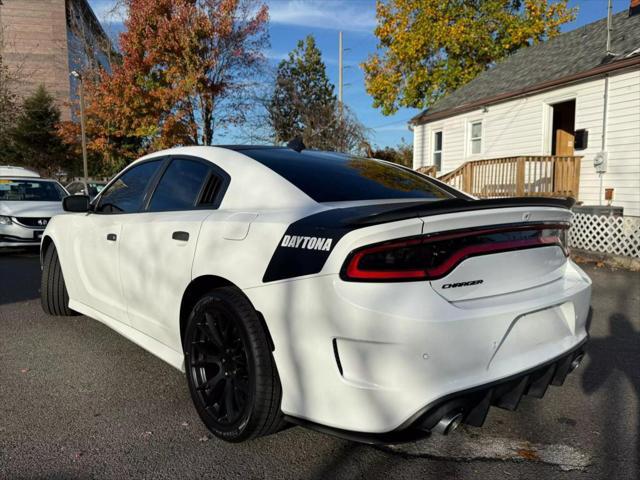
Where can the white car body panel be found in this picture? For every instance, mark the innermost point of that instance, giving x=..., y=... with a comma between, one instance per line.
x=152, y=306
x=93, y=262
x=458, y=344
x=30, y=209
x=531, y=307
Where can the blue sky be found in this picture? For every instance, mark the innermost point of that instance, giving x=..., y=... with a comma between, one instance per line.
x=292, y=20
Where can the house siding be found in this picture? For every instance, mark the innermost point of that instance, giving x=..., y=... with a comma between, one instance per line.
x=523, y=127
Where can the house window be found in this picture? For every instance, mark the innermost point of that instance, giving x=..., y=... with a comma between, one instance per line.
x=476, y=138
x=437, y=150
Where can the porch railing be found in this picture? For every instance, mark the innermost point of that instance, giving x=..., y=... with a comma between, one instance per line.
x=546, y=176
x=428, y=170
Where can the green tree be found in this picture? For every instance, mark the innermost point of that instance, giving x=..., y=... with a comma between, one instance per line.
x=428, y=48
x=303, y=104
x=35, y=135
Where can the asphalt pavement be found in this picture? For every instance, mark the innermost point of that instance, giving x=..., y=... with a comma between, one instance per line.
x=79, y=401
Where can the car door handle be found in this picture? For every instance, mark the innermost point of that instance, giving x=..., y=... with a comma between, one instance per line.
x=112, y=237
x=181, y=236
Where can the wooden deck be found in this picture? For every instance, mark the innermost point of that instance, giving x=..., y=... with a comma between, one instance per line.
x=546, y=176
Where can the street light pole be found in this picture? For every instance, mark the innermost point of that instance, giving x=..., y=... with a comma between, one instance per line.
x=85, y=167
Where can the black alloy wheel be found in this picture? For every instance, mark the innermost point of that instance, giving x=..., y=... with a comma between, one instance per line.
x=220, y=367
x=231, y=373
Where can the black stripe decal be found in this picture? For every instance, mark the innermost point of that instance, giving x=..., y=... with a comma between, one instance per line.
x=308, y=242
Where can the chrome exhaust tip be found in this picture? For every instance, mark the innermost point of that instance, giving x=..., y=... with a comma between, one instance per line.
x=448, y=423
x=575, y=363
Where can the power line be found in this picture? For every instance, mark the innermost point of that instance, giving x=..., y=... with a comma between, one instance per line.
x=393, y=123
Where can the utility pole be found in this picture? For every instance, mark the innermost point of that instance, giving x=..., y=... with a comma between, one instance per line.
x=340, y=69
x=82, y=127
x=609, y=28
x=340, y=82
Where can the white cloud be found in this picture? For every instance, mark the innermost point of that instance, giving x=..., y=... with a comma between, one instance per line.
x=273, y=55
x=336, y=15
x=330, y=14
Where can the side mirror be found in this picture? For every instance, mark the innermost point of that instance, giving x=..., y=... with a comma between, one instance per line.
x=76, y=203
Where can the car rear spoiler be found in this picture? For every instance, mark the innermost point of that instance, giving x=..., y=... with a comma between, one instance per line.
x=332, y=224
x=383, y=213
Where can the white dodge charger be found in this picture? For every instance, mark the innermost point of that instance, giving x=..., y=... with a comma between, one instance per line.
x=345, y=294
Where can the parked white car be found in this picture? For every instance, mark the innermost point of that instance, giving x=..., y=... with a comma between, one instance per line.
x=27, y=203
x=350, y=295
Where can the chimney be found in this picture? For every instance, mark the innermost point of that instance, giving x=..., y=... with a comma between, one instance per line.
x=634, y=7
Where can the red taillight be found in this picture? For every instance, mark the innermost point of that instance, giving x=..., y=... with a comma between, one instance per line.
x=434, y=256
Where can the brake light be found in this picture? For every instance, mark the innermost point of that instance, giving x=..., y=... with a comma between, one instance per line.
x=431, y=257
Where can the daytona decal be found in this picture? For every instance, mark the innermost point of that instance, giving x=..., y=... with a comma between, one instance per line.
x=310, y=243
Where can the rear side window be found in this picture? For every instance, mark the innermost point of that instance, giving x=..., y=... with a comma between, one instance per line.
x=334, y=177
x=180, y=186
x=127, y=193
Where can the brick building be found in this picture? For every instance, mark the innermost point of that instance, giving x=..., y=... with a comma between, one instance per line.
x=44, y=40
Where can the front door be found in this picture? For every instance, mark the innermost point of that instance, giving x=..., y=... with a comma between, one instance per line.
x=95, y=255
x=97, y=242
x=564, y=115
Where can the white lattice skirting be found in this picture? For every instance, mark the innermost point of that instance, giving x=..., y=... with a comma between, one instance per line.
x=605, y=234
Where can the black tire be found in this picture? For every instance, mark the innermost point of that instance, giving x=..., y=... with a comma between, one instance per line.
x=231, y=373
x=53, y=291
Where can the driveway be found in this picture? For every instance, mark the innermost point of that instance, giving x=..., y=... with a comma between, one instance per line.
x=79, y=401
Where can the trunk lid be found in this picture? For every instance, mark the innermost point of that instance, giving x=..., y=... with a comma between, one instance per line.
x=467, y=249
x=521, y=261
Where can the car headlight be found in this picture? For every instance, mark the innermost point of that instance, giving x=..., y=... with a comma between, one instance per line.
x=5, y=220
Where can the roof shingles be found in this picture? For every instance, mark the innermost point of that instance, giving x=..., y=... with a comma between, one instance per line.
x=570, y=53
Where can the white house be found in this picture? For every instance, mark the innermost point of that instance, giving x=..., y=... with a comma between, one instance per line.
x=564, y=97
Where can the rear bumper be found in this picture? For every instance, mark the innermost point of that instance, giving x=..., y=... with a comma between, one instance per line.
x=472, y=404
x=375, y=358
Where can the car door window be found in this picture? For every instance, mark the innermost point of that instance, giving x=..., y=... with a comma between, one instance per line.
x=180, y=186
x=127, y=193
